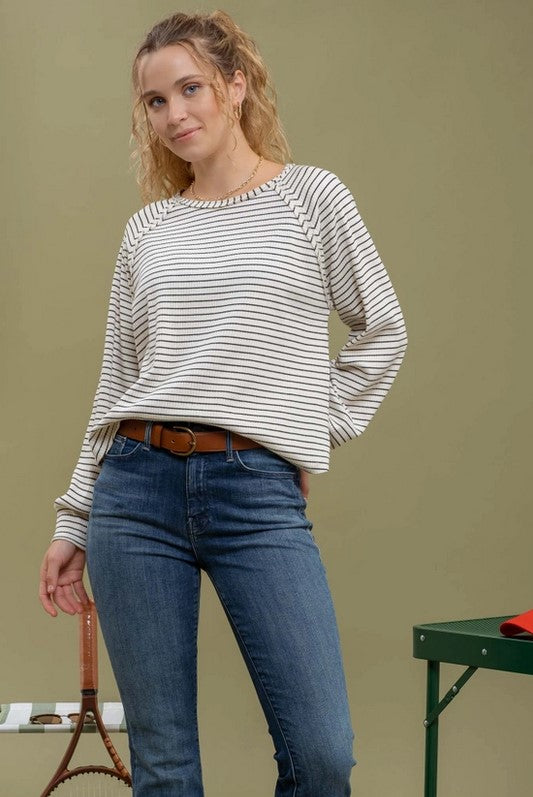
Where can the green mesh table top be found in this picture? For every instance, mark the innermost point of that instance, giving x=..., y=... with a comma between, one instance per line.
x=476, y=643
x=15, y=717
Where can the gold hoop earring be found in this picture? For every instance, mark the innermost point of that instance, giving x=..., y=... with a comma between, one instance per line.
x=237, y=110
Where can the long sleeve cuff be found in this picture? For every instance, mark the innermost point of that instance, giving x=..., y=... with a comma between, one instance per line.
x=71, y=527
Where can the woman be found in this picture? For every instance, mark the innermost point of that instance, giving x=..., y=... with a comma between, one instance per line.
x=215, y=401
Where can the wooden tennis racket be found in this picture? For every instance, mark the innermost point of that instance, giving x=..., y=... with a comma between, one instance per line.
x=92, y=780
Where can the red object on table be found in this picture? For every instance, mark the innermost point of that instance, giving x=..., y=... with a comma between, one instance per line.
x=519, y=624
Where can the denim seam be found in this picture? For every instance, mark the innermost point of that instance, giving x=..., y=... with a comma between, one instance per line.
x=195, y=669
x=263, y=686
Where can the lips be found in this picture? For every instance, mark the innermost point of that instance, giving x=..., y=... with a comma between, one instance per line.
x=185, y=133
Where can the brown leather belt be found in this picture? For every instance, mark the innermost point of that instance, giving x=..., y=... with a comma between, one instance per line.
x=182, y=440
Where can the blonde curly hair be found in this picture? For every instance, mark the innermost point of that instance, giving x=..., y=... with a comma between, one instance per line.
x=215, y=41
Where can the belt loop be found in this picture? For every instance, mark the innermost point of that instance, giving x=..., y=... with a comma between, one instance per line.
x=229, y=447
x=157, y=431
x=147, y=435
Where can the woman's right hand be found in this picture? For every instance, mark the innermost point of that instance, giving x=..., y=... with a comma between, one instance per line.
x=304, y=482
x=61, y=578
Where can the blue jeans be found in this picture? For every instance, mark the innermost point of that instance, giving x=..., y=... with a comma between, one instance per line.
x=157, y=521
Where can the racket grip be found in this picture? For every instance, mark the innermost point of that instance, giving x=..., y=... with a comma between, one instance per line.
x=88, y=647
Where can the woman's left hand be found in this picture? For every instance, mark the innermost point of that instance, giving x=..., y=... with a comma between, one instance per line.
x=61, y=578
x=304, y=482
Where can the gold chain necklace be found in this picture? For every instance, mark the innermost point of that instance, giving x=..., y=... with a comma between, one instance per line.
x=227, y=192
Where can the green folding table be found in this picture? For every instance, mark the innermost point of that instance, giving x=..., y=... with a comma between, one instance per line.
x=475, y=643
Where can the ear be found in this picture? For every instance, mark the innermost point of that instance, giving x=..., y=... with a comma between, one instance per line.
x=238, y=87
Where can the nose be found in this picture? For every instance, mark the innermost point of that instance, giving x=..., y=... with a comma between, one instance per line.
x=176, y=111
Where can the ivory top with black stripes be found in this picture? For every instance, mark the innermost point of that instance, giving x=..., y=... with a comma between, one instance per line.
x=218, y=313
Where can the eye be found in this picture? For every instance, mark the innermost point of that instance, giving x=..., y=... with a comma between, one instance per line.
x=189, y=86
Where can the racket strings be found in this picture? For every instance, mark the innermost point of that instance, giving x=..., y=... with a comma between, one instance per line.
x=91, y=784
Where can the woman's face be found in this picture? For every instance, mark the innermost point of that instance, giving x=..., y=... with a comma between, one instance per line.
x=178, y=98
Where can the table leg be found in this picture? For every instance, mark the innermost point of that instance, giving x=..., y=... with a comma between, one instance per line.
x=432, y=731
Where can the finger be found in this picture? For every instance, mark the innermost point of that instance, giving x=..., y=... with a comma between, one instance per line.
x=79, y=589
x=44, y=595
x=51, y=574
x=75, y=589
x=63, y=599
x=46, y=602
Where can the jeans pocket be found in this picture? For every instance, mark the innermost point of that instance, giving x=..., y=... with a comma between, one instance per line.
x=123, y=447
x=264, y=462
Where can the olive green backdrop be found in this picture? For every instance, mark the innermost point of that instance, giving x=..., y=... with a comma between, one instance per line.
x=423, y=108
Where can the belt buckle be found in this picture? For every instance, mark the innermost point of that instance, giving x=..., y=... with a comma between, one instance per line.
x=192, y=443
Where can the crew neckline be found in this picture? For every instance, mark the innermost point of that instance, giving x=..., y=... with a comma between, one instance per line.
x=232, y=200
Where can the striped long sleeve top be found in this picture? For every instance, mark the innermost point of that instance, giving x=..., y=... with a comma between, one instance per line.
x=218, y=313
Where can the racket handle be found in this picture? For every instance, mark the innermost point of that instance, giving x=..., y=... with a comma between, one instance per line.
x=88, y=647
